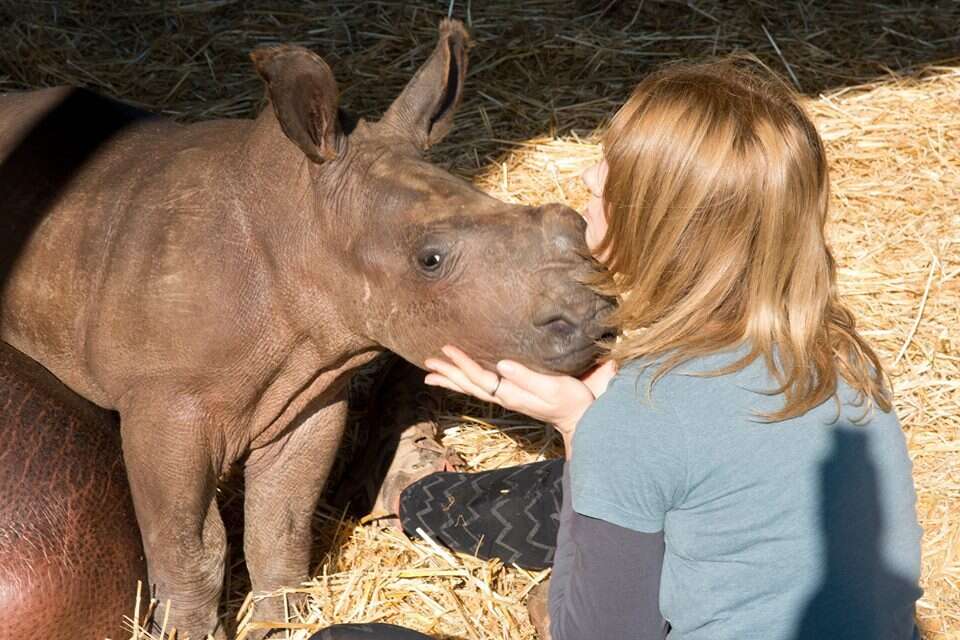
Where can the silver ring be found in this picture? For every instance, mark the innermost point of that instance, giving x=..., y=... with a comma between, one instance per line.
x=496, y=388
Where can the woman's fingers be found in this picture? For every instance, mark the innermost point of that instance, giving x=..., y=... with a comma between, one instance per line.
x=483, y=378
x=439, y=380
x=539, y=384
x=516, y=399
x=451, y=376
x=558, y=399
x=458, y=377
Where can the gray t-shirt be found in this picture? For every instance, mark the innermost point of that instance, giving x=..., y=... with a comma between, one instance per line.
x=794, y=530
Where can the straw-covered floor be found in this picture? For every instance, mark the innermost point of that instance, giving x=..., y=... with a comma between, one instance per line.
x=884, y=87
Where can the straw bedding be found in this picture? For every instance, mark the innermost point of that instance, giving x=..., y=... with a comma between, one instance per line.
x=884, y=87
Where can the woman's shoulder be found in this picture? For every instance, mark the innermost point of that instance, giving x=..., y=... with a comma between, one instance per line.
x=706, y=393
x=631, y=410
x=701, y=391
x=698, y=377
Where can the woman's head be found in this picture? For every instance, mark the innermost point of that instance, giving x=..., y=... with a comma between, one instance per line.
x=715, y=198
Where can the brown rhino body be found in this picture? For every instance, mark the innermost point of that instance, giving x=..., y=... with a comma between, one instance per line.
x=218, y=283
x=70, y=553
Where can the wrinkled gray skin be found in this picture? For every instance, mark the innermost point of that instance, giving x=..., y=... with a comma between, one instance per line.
x=218, y=283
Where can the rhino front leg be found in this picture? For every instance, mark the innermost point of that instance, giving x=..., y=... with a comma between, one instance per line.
x=283, y=483
x=173, y=484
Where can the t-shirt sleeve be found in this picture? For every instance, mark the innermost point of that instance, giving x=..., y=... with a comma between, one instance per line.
x=606, y=579
x=628, y=465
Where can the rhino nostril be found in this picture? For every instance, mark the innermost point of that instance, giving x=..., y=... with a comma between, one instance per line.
x=558, y=325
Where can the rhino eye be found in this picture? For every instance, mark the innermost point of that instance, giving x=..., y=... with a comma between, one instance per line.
x=430, y=260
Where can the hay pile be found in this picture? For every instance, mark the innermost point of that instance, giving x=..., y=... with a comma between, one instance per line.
x=544, y=75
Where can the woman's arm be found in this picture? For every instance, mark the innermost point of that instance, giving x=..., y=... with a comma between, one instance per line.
x=606, y=579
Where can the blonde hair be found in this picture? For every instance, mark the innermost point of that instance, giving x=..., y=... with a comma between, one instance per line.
x=716, y=198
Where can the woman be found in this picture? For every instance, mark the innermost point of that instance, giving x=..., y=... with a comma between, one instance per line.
x=742, y=474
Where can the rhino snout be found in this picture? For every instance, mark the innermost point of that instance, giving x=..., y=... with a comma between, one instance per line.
x=569, y=333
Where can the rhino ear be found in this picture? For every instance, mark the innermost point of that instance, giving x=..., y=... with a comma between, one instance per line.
x=304, y=97
x=424, y=110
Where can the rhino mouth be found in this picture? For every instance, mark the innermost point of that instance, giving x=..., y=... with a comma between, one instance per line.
x=587, y=346
x=574, y=361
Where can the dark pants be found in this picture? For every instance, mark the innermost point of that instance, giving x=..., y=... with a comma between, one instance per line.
x=373, y=631
x=512, y=514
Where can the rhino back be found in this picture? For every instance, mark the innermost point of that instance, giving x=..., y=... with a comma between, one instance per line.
x=120, y=228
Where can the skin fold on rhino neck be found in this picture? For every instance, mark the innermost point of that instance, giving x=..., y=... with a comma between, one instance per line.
x=302, y=238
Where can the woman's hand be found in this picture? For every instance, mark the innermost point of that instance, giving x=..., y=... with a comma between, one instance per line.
x=557, y=399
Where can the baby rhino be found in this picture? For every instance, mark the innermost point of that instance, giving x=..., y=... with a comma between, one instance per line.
x=218, y=283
